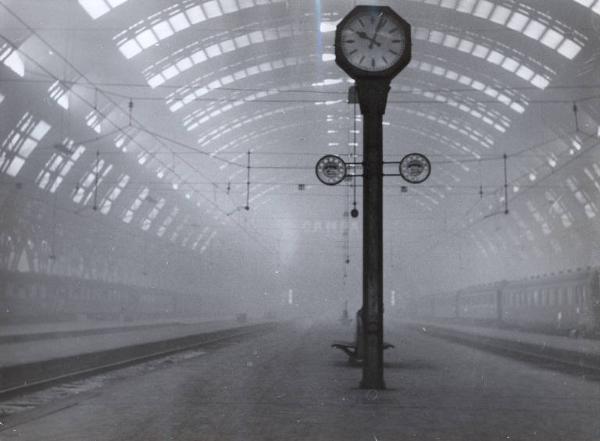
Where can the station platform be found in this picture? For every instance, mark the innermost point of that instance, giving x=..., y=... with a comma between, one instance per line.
x=33, y=354
x=290, y=385
x=576, y=351
x=14, y=333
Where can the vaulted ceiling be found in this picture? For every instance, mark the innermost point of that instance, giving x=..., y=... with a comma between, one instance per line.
x=158, y=122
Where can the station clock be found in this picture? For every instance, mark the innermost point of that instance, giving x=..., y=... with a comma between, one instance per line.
x=373, y=42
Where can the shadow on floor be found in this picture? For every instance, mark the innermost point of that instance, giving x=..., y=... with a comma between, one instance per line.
x=406, y=365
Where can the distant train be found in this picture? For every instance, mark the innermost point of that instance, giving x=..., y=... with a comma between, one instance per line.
x=566, y=303
x=31, y=297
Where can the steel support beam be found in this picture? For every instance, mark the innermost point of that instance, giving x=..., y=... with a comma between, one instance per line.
x=373, y=99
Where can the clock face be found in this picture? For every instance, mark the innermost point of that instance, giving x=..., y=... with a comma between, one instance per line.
x=415, y=168
x=331, y=170
x=373, y=40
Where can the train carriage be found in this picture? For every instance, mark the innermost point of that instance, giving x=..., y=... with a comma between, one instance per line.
x=480, y=303
x=565, y=302
x=561, y=302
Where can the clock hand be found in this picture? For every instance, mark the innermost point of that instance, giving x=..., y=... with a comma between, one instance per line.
x=377, y=29
x=364, y=36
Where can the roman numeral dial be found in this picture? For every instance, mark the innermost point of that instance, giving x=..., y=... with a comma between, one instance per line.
x=373, y=40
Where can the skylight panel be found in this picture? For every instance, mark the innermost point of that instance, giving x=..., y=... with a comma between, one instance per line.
x=184, y=64
x=156, y=81
x=452, y=75
x=195, y=14
x=229, y=6
x=438, y=70
x=95, y=8
x=491, y=92
x=451, y=4
x=212, y=9
x=170, y=72
x=517, y=21
x=40, y=130
x=163, y=30
x=517, y=107
x=590, y=210
x=510, y=65
x=535, y=29
x=241, y=74
x=176, y=106
x=451, y=41
x=98, y=170
x=256, y=37
x=540, y=82
x=213, y=51
x=478, y=85
x=58, y=166
x=242, y=41
x=179, y=22
x=328, y=26
x=483, y=52
x=128, y=216
x=483, y=9
x=552, y=38
x=436, y=37
x=227, y=46
x=466, y=46
x=94, y=121
x=569, y=49
x=271, y=34
x=495, y=57
x=586, y=3
x=465, y=80
x=500, y=15
x=14, y=166
x=480, y=51
x=525, y=73
x=11, y=59
x=59, y=94
x=147, y=39
x=466, y=6
x=199, y=56
x=130, y=48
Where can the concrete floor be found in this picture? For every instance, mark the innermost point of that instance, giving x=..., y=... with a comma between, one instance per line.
x=290, y=385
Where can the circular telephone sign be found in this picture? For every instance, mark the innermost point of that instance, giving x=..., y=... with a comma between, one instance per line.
x=331, y=170
x=415, y=168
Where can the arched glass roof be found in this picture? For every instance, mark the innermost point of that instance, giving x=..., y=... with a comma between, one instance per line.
x=160, y=122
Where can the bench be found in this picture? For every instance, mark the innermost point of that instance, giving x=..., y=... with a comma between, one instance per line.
x=355, y=350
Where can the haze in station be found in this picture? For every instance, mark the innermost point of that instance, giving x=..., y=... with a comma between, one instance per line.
x=126, y=128
x=157, y=161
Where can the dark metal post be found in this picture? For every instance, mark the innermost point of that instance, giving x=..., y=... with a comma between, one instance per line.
x=506, y=210
x=373, y=100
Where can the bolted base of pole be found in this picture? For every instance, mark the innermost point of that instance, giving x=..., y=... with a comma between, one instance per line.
x=372, y=385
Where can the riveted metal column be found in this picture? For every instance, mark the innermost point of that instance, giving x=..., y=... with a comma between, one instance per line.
x=373, y=99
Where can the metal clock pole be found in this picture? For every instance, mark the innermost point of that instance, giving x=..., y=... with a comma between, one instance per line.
x=372, y=45
x=372, y=96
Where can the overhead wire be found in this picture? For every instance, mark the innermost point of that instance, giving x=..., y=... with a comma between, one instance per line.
x=105, y=117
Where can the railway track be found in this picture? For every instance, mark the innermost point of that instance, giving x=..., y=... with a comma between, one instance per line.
x=70, y=370
x=563, y=360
